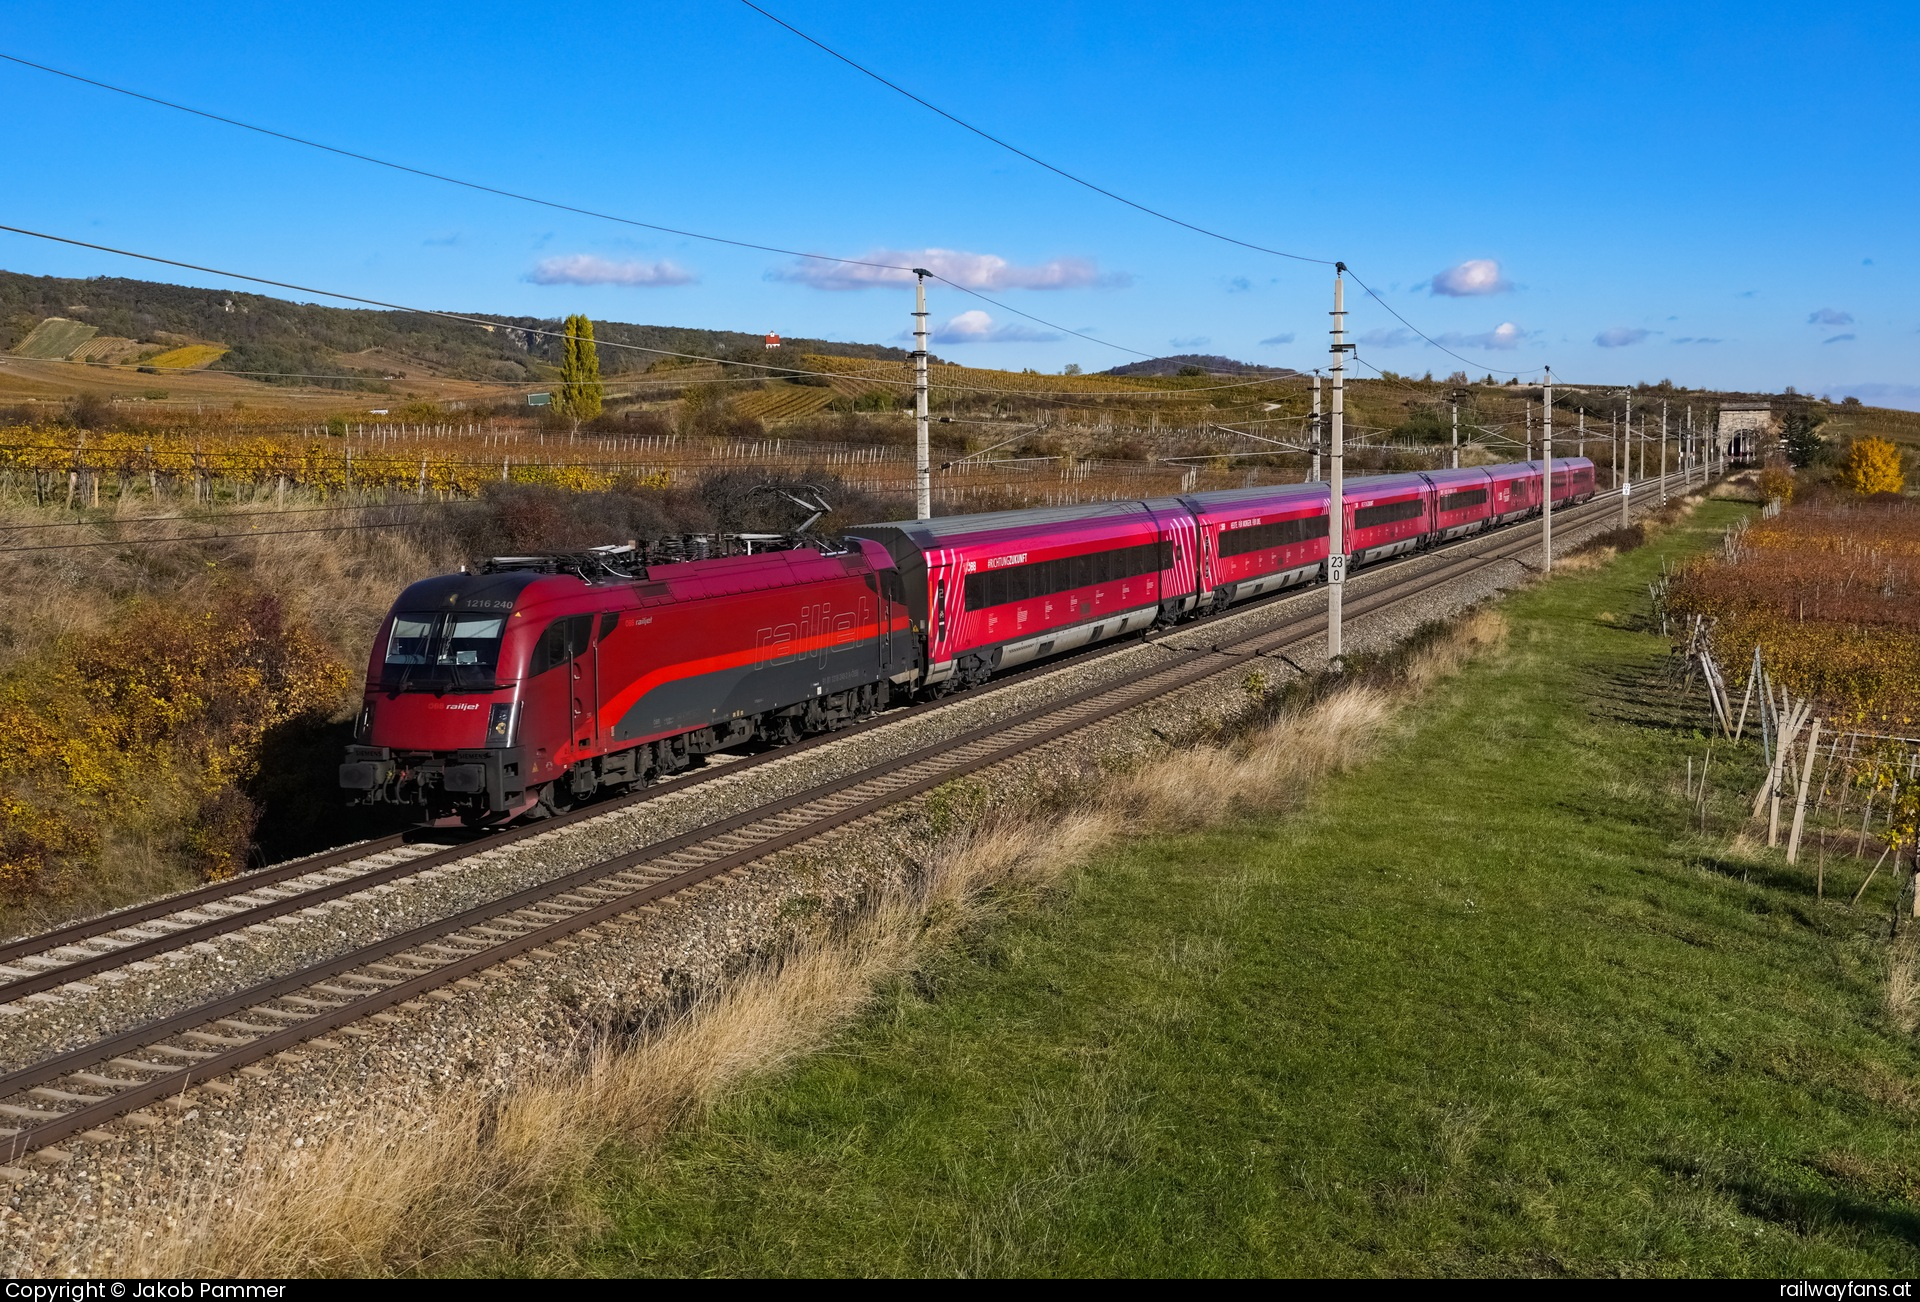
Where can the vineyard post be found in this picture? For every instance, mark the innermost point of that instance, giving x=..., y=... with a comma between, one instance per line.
x=922, y=459
x=1546, y=474
x=1800, y=798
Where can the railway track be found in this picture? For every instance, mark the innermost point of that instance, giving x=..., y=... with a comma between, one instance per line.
x=78, y=1090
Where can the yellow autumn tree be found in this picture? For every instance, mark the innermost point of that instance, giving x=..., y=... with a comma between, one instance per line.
x=1873, y=466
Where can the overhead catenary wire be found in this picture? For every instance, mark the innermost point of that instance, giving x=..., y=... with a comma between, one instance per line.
x=555, y=204
x=964, y=125
x=1102, y=190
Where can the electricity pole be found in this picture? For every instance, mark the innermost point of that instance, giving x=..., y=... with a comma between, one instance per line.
x=1626, y=437
x=1663, y=449
x=1613, y=444
x=1336, y=456
x=1456, y=431
x=1527, y=447
x=1546, y=479
x=1580, y=449
x=1313, y=476
x=922, y=458
x=1693, y=449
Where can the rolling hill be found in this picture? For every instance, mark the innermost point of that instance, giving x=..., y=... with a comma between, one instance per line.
x=301, y=344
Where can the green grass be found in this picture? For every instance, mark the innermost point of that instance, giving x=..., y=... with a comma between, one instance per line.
x=1484, y=1006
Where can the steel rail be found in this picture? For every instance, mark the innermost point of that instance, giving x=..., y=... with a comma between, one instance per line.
x=584, y=899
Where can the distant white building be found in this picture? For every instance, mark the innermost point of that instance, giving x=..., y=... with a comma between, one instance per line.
x=1743, y=427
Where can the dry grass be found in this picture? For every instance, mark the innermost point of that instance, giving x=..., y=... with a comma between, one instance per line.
x=1903, y=985
x=469, y=1176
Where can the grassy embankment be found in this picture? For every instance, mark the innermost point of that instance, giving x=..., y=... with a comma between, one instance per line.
x=1484, y=1005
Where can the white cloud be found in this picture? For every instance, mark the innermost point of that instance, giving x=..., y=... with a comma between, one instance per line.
x=1470, y=279
x=1503, y=337
x=1621, y=336
x=968, y=270
x=586, y=269
x=1394, y=338
x=977, y=327
x=1191, y=341
x=1697, y=339
x=1828, y=316
x=1839, y=339
x=1274, y=341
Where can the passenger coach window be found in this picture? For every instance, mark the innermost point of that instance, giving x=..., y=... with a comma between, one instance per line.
x=1462, y=500
x=1368, y=517
x=1281, y=533
x=1043, y=578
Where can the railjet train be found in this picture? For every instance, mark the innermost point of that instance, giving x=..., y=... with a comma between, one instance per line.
x=542, y=681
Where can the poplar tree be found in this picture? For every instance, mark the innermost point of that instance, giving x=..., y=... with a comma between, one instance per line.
x=580, y=391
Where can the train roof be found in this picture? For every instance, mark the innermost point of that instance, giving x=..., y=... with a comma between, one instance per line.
x=1463, y=475
x=1380, y=485
x=1231, y=497
x=470, y=591
x=943, y=528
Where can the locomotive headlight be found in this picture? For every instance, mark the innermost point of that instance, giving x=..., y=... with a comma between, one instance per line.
x=363, y=726
x=499, y=725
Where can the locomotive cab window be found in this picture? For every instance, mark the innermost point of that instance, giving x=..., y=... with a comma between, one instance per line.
x=441, y=649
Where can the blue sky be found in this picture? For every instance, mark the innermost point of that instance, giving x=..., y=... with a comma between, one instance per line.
x=1719, y=194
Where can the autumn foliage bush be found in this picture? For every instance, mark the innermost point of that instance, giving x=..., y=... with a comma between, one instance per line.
x=1873, y=466
x=1829, y=590
x=151, y=727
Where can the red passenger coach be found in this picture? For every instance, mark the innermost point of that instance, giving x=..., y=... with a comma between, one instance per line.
x=1516, y=490
x=996, y=590
x=1573, y=479
x=1387, y=515
x=1258, y=540
x=1462, y=502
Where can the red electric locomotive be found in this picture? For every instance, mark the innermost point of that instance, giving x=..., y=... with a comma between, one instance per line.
x=534, y=684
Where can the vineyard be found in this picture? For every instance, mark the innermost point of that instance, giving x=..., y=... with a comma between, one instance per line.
x=1829, y=590
x=63, y=467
